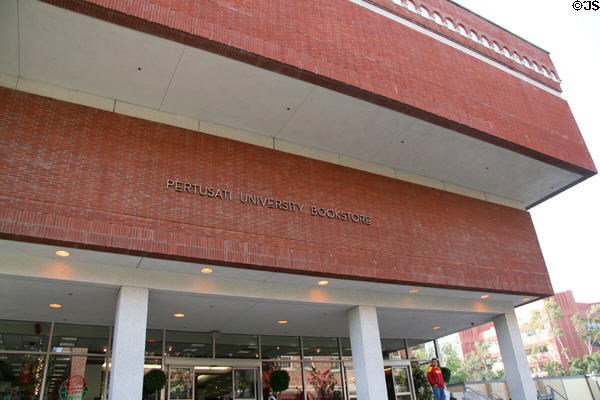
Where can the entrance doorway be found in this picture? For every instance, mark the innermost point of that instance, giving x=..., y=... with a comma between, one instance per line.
x=398, y=380
x=212, y=382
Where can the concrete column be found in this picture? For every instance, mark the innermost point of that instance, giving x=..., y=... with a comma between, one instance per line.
x=366, y=353
x=519, y=379
x=129, y=344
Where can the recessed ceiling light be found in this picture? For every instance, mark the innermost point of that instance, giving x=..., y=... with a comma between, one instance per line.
x=485, y=296
x=323, y=283
x=54, y=305
x=282, y=321
x=63, y=253
x=206, y=270
x=413, y=291
x=435, y=328
x=526, y=299
x=179, y=315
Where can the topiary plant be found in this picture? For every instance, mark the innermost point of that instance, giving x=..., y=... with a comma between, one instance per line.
x=154, y=381
x=280, y=380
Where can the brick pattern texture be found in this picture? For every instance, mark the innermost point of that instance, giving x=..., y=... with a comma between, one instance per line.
x=343, y=46
x=94, y=179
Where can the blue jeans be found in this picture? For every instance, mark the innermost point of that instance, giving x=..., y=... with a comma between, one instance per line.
x=438, y=393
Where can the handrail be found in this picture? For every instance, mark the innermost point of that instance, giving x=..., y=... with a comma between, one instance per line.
x=498, y=397
x=552, y=391
x=483, y=396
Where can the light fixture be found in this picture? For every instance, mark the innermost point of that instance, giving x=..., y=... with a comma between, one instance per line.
x=485, y=296
x=323, y=283
x=179, y=315
x=54, y=305
x=63, y=253
x=282, y=321
x=526, y=299
x=206, y=270
x=435, y=328
x=413, y=291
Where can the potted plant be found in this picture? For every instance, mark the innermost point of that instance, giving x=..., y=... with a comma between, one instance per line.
x=154, y=381
x=280, y=381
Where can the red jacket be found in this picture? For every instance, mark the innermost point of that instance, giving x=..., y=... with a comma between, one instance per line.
x=435, y=377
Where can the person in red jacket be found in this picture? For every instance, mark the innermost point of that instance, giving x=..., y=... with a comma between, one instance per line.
x=436, y=380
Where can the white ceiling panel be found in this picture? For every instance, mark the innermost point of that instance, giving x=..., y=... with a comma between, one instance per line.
x=343, y=124
x=9, y=37
x=233, y=93
x=79, y=52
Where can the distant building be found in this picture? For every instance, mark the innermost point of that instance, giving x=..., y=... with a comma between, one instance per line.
x=540, y=345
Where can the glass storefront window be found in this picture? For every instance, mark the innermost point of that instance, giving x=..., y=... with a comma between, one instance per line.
x=350, y=382
x=321, y=348
x=25, y=336
x=280, y=347
x=154, y=339
x=22, y=375
x=181, y=381
x=75, y=376
x=323, y=382
x=421, y=349
x=80, y=339
x=294, y=369
x=236, y=346
x=393, y=349
x=244, y=384
x=188, y=344
x=346, y=348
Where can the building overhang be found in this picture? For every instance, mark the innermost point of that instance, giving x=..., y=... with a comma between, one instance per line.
x=229, y=300
x=50, y=45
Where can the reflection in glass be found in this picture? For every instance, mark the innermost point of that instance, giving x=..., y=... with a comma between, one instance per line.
x=323, y=382
x=280, y=347
x=80, y=339
x=180, y=383
x=393, y=349
x=350, y=383
x=294, y=391
x=321, y=348
x=236, y=346
x=421, y=349
x=188, y=344
x=154, y=342
x=77, y=375
x=23, y=335
x=346, y=349
x=21, y=375
x=245, y=384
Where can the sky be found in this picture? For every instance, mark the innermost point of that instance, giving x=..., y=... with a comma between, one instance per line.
x=566, y=225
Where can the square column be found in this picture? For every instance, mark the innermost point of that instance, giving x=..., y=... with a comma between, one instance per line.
x=367, y=359
x=129, y=344
x=517, y=371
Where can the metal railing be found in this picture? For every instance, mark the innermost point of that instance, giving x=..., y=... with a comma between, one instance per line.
x=554, y=392
x=481, y=395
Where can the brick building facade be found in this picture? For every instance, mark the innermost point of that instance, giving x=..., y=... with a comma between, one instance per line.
x=211, y=187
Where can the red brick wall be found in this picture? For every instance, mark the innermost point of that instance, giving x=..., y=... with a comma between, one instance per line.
x=343, y=46
x=95, y=179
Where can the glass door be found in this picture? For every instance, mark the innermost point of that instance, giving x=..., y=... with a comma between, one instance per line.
x=181, y=384
x=401, y=382
x=244, y=384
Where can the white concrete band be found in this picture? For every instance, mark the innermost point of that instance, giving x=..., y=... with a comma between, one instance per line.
x=367, y=359
x=519, y=379
x=129, y=341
